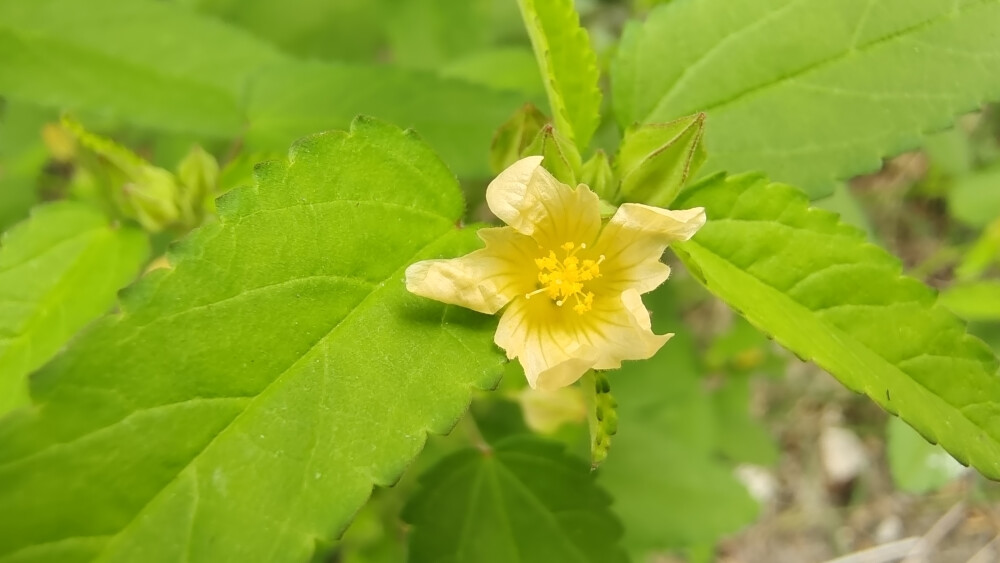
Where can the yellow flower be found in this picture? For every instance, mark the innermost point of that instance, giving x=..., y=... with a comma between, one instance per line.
x=572, y=289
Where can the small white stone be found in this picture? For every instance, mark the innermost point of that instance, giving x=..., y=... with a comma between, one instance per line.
x=842, y=453
x=759, y=482
x=889, y=530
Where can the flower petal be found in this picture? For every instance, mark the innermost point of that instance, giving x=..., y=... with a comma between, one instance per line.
x=484, y=280
x=529, y=199
x=549, y=351
x=624, y=330
x=634, y=240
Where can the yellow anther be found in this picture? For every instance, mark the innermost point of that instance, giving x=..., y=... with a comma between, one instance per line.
x=562, y=279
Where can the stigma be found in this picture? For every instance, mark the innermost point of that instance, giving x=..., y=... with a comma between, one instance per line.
x=563, y=278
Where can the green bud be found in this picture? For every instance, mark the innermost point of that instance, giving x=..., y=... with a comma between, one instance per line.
x=135, y=188
x=602, y=415
x=198, y=173
x=561, y=157
x=597, y=174
x=656, y=160
x=150, y=198
x=514, y=136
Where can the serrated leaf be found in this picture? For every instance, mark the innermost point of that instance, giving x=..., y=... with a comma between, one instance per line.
x=456, y=118
x=245, y=401
x=666, y=451
x=154, y=63
x=526, y=500
x=830, y=297
x=568, y=65
x=809, y=91
x=59, y=270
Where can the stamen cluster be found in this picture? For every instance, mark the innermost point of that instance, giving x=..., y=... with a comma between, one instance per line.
x=562, y=279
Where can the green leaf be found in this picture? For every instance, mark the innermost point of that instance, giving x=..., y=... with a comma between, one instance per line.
x=501, y=68
x=740, y=438
x=22, y=155
x=430, y=33
x=456, y=118
x=245, y=401
x=981, y=254
x=809, y=91
x=843, y=203
x=341, y=30
x=568, y=65
x=59, y=270
x=153, y=63
x=974, y=301
x=917, y=466
x=526, y=500
x=671, y=488
x=975, y=199
x=823, y=292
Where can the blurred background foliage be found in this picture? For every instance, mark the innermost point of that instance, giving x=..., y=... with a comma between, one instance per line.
x=728, y=447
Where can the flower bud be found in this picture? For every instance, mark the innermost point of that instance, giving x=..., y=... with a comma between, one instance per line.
x=597, y=174
x=514, y=136
x=656, y=160
x=560, y=156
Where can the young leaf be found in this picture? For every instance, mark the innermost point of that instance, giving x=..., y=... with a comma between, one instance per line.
x=526, y=500
x=458, y=119
x=568, y=65
x=824, y=293
x=666, y=451
x=809, y=91
x=246, y=400
x=59, y=270
x=155, y=63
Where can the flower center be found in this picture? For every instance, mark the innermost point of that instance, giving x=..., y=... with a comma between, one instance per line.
x=562, y=279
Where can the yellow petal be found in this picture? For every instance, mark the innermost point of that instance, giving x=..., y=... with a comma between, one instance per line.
x=484, y=280
x=532, y=201
x=624, y=331
x=549, y=350
x=634, y=240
